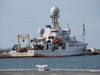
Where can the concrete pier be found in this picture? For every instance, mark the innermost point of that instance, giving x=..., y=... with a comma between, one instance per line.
x=49, y=72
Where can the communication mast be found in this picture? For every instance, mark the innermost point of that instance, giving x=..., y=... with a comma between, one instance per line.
x=83, y=35
x=54, y=15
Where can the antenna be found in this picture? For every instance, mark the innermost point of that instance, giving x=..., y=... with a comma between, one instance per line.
x=69, y=29
x=68, y=25
x=84, y=33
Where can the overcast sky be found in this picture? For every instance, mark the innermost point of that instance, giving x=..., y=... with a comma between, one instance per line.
x=26, y=16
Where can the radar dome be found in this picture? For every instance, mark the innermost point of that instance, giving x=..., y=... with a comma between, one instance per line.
x=54, y=10
x=40, y=31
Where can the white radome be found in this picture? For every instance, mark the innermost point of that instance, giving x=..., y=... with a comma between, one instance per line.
x=40, y=31
x=54, y=10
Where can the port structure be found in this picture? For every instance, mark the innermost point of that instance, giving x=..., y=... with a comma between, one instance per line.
x=23, y=37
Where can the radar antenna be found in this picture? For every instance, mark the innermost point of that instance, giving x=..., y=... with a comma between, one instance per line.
x=55, y=16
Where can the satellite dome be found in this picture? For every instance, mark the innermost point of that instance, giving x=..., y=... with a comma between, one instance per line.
x=40, y=31
x=54, y=10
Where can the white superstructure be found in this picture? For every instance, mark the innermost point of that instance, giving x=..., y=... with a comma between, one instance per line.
x=54, y=41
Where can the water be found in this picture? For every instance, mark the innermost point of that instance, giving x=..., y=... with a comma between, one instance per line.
x=74, y=62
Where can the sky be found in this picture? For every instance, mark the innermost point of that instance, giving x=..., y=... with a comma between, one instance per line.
x=27, y=16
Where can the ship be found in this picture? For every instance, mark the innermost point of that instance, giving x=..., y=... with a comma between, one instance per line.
x=54, y=41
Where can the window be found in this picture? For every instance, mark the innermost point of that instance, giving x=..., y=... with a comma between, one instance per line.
x=49, y=41
x=55, y=47
x=63, y=47
x=54, y=31
x=50, y=37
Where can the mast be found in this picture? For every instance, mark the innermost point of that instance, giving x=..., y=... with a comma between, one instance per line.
x=83, y=33
x=69, y=29
x=55, y=16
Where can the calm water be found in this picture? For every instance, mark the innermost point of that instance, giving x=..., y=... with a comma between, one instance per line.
x=74, y=62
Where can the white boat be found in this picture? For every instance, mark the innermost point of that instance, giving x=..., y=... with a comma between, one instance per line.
x=54, y=41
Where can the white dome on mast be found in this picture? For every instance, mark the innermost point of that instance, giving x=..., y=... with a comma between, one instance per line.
x=54, y=10
x=41, y=31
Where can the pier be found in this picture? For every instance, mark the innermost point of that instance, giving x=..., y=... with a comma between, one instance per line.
x=49, y=72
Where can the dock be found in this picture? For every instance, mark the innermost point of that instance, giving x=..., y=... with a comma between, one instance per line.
x=49, y=72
